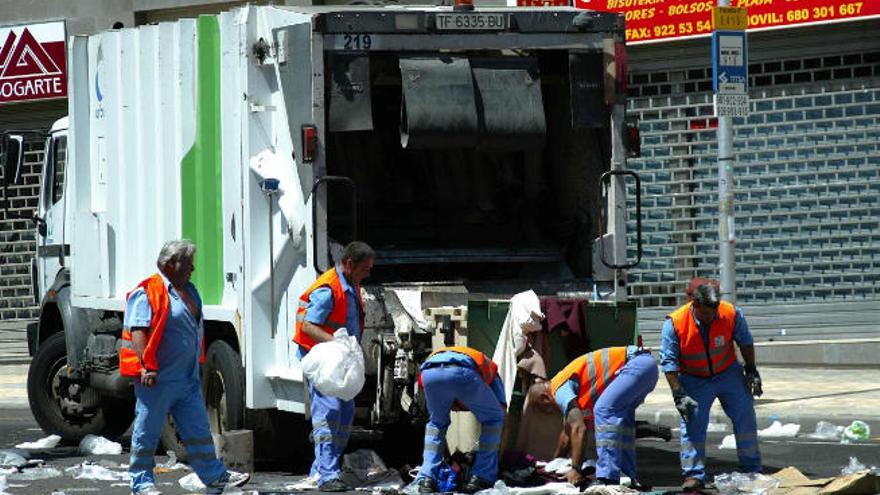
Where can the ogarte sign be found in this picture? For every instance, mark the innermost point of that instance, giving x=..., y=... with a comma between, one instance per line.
x=32, y=62
x=655, y=20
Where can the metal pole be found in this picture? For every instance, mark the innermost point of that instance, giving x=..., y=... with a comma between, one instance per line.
x=726, y=232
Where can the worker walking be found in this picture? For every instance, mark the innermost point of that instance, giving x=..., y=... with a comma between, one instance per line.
x=699, y=360
x=333, y=302
x=607, y=384
x=465, y=379
x=162, y=347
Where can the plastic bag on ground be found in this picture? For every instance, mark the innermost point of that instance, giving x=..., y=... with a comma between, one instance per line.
x=90, y=471
x=729, y=442
x=3, y=484
x=95, y=445
x=779, y=430
x=49, y=442
x=716, y=428
x=191, y=483
x=336, y=368
x=858, y=430
x=499, y=489
x=826, y=431
x=171, y=464
x=745, y=483
x=363, y=468
x=854, y=466
x=10, y=458
x=547, y=489
x=37, y=473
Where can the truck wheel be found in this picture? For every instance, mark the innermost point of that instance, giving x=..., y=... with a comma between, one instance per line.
x=223, y=389
x=68, y=407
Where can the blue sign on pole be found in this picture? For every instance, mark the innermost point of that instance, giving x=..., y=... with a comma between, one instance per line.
x=730, y=62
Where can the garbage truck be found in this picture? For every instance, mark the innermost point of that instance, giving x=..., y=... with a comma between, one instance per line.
x=480, y=152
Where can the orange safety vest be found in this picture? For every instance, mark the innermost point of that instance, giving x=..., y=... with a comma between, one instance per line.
x=157, y=295
x=694, y=358
x=594, y=371
x=339, y=313
x=485, y=366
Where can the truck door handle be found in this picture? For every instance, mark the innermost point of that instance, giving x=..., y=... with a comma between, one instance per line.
x=40, y=222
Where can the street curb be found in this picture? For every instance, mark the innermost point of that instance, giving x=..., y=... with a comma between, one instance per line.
x=669, y=417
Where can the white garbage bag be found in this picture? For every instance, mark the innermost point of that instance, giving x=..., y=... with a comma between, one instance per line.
x=95, y=445
x=49, y=442
x=336, y=368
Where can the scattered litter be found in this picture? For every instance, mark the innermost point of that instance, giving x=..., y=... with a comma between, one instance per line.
x=779, y=430
x=826, y=431
x=716, y=428
x=3, y=484
x=729, y=442
x=306, y=484
x=854, y=466
x=499, y=489
x=750, y=483
x=49, y=442
x=548, y=489
x=609, y=490
x=365, y=470
x=170, y=465
x=793, y=481
x=95, y=445
x=858, y=430
x=11, y=458
x=37, y=473
x=191, y=483
x=91, y=471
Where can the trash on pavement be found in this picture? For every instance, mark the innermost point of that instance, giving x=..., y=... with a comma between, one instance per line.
x=858, y=430
x=91, y=471
x=793, y=482
x=308, y=484
x=779, y=430
x=729, y=442
x=49, y=442
x=363, y=468
x=170, y=465
x=11, y=458
x=3, y=484
x=716, y=428
x=854, y=466
x=826, y=431
x=609, y=490
x=739, y=483
x=37, y=473
x=95, y=445
x=191, y=483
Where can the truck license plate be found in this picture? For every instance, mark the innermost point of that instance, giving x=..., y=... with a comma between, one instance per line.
x=468, y=21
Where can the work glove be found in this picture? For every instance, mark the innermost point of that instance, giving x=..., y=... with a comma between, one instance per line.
x=685, y=405
x=753, y=380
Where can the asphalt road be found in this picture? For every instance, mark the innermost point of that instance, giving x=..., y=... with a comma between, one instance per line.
x=658, y=461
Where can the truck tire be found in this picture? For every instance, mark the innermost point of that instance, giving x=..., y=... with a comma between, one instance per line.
x=46, y=394
x=223, y=390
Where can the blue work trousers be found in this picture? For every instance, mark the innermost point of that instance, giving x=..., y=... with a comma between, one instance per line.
x=331, y=427
x=730, y=388
x=185, y=403
x=615, y=417
x=443, y=386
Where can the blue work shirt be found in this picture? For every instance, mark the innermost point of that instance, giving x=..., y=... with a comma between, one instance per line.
x=567, y=394
x=181, y=346
x=465, y=361
x=670, y=347
x=321, y=304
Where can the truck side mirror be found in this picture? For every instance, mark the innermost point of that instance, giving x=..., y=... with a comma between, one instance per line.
x=13, y=158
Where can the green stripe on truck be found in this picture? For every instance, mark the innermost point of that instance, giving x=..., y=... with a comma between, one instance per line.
x=201, y=187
